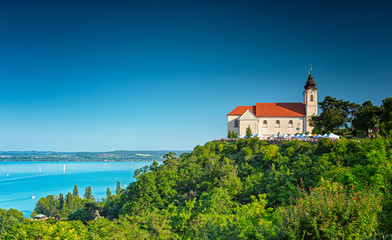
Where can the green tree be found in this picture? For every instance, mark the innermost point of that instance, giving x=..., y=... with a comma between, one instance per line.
x=386, y=116
x=9, y=219
x=229, y=134
x=88, y=193
x=248, y=132
x=118, y=188
x=234, y=135
x=335, y=114
x=68, y=204
x=108, y=193
x=76, y=191
x=61, y=201
x=48, y=206
x=366, y=117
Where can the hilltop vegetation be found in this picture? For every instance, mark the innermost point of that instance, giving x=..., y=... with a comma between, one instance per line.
x=351, y=119
x=244, y=190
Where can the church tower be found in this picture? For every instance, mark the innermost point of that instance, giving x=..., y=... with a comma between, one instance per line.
x=310, y=100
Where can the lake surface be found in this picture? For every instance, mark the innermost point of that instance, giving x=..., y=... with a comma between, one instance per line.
x=19, y=181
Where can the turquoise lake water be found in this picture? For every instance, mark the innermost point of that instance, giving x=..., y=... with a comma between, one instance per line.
x=19, y=181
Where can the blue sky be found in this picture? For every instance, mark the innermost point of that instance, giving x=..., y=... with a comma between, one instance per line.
x=107, y=75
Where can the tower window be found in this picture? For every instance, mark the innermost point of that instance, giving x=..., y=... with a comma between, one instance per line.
x=311, y=98
x=277, y=124
x=265, y=124
x=236, y=123
x=291, y=124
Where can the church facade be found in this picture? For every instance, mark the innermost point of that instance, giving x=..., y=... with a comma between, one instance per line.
x=267, y=119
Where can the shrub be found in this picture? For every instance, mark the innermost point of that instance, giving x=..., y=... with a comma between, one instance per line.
x=330, y=211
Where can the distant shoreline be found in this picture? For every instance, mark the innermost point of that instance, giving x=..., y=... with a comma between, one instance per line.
x=55, y=160
x=113, y=156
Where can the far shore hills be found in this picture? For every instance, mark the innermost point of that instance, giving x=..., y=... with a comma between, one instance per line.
x=111, y=156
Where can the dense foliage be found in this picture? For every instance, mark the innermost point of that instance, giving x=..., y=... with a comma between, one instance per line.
x=337, y=114
x=244, y=190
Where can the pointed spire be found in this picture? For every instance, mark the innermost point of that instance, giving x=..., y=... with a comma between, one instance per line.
x=310, y=83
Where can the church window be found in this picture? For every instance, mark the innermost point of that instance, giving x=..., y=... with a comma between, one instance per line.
x=265, y=124
x=291, y=124
x=277, y=125
x=236, y=123
x=311, y=98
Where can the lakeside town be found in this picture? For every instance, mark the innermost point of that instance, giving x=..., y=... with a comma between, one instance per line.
x=112, y=156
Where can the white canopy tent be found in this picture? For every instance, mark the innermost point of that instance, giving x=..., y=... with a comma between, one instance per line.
x=283, y=136
x=333, y=136
x=300, y=136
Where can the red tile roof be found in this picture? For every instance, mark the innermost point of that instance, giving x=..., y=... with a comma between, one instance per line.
x=280, y=109
x=242, y=109
x=273, y=110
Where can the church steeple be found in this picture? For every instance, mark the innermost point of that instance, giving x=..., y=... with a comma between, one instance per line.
x=310, y=83
x=310, y=100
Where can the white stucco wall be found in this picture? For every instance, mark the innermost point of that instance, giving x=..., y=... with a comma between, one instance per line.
x=230, y=123
x=248, y=119
x=256, y=125
x=284, y=125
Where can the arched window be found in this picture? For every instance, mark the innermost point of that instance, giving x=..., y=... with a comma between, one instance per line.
x=291, y=124
x=277, y=125
x=236, y=123
x=265, y=124
x=311, y=98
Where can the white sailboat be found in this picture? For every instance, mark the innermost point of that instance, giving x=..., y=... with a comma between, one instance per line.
x=64, y=168
x=39, y=169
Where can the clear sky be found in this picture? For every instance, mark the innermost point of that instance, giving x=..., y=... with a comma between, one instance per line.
x=107, y=75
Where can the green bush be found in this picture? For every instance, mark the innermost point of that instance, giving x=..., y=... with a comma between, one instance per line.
x=330, y=211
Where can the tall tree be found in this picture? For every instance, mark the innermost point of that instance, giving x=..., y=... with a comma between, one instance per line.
x=366, y=117
x=108, y=193
x=386, y=116
x=234, y=134
x=69, y=201
x=61, y=201
x=76, y=191
x=88, y=193
x=248, y=132
x=47, y=206
x=118, y=188
x=335, y=114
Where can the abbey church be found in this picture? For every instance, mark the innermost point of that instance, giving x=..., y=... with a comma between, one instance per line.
x=266, y=119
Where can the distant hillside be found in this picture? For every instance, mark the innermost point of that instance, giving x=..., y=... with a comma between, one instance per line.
x=119, y=155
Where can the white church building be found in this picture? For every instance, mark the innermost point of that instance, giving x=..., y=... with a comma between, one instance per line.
x=266, y=119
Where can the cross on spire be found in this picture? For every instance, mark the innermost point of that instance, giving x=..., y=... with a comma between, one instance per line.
x=310, y=69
